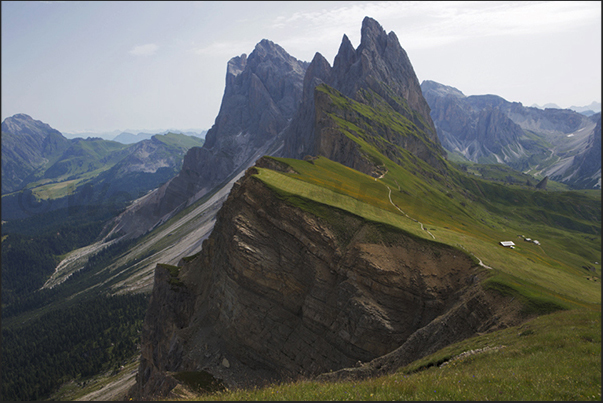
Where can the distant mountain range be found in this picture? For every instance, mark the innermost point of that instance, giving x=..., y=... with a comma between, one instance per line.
x=588, y=110
x=559, y=143
x=128, y=136
x=42, y=170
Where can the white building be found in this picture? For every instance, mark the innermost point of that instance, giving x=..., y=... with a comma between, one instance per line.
x=507, y=244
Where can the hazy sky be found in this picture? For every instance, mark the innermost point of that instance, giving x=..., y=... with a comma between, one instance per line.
x=101, y=66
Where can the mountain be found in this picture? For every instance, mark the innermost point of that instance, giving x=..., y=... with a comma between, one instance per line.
x=110, y=135
x=129, y=138
x=280, y=290
x=488, y=129
x=583, y=170
x=594, y=107
x=261, y=95
x=549, y=105
x=378, y=73
x=43, y=171
x=27, y=145
x=366, y=251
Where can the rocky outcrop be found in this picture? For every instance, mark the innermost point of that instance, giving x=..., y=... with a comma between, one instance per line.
x=262, y=93
x=378, y=74
x=278, y=293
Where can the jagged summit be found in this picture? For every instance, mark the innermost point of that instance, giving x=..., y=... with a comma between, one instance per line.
x=262, y=92
x=378, y=66
x=346, y=56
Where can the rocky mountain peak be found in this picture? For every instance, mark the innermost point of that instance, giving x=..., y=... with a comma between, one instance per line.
x=318, y=72
x=262, y=93
x=372, y=36
x=22, y=124
x=378, y=66
x=381, y=65
x=346, y=56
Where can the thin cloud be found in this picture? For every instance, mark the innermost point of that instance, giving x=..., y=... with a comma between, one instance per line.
x=421, y=24
x=144, y=50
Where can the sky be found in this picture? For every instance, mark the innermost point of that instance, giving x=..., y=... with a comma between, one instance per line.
x=140, y=66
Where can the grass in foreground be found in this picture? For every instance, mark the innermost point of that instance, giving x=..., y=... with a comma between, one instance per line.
x=552, y=357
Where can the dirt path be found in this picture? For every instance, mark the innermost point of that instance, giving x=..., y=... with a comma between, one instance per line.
x=421, y=224
x=400, y=210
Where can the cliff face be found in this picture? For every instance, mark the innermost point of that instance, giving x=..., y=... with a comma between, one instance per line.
x=278, y=292
x=263, y=91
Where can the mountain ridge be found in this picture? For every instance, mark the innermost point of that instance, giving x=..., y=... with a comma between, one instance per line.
x=261, y=94
x=489, y=129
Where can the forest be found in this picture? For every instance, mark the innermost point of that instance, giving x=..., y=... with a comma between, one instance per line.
x=85, y=339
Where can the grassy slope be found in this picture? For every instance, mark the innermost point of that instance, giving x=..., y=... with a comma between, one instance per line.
x=552, y=357
x=551, y=268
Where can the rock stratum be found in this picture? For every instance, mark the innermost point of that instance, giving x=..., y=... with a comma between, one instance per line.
x=278, y=293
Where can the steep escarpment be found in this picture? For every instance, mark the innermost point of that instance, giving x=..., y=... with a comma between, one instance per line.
x=377, y=74
x=284, y=289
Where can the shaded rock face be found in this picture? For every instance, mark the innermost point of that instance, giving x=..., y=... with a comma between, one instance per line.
x=585, y=170
x=26, y=145
x=262, y=93
x=476, y=127
x=378, y=66
x=279, y=292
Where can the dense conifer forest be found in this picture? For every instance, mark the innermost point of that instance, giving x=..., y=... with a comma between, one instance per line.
x=85, y=339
